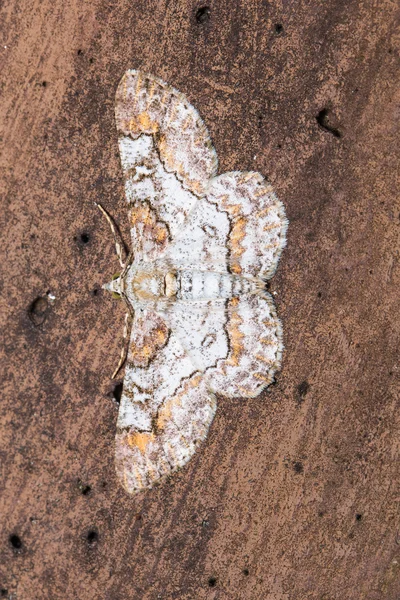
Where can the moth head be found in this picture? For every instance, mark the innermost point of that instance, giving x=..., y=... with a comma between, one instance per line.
x=114, y=286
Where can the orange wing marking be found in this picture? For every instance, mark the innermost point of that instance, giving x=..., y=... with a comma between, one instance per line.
x=235, y=335
x=237, y=235
x=271, y=246
x=265, y=210
x=264, y=191
x=267, y=342
x=262, y=377
x=140, y=440
x=271, y=226
x=264, y=360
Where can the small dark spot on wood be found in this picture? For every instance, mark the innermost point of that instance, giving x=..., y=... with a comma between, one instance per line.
x=203, y=15
x=91, y=60
x=38, y=311
x=44, y=83
x=212, y=582
x=117, y=391
x=84, y=488
x=323, y=121
x=246, y=572
x=84, y=238
x=298, y=467
x=3, y=592
x=321, y=513
x=92, y=537
x=95, y=291
x=302, y=390
x=358, y=517
x=319, y=294
x=79, y=52
x=278, y=28
x=15, y=541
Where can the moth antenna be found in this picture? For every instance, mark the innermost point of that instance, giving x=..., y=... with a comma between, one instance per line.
x=115, y=232
x=124, y=350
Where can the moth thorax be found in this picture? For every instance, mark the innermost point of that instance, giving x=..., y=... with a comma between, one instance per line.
x=152, y=285
x=147, y=285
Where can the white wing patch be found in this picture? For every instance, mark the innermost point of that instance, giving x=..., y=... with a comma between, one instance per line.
x=202, y=247
x=202, y=243
x=147, y=180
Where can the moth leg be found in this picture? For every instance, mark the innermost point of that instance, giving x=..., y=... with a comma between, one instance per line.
x=116, y=234
x=124, y=350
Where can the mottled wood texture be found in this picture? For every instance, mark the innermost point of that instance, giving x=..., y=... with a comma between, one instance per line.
x=295, y=493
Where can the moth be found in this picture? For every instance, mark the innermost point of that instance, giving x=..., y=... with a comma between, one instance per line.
x=203, y=245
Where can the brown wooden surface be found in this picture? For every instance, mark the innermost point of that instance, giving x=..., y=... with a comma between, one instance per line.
x=295, y=494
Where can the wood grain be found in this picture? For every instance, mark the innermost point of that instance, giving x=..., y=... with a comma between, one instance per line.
x=295, y=493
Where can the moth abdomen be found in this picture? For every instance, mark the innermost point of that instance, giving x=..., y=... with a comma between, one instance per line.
x=209, y=285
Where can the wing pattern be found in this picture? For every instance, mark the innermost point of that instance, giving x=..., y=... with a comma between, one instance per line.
x=202, y=247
